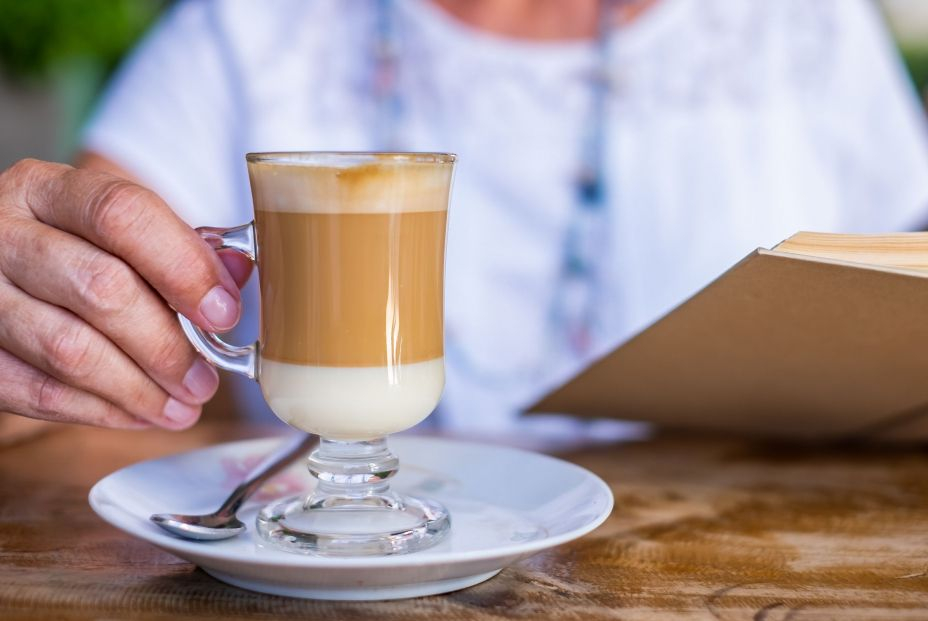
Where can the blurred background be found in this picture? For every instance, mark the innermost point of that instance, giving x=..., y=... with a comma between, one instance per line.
x=55, y=56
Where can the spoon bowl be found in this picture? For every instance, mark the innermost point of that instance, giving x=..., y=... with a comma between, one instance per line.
x=222, y=524
x=199, y=527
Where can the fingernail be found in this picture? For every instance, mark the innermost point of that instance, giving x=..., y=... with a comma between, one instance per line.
x=201, y=380
x=219, y=308
x=179, y=412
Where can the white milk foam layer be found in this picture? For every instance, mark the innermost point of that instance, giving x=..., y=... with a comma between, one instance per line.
x=380, y=187
x=352, y=403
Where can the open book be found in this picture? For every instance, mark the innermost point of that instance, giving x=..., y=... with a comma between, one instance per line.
x=825, y=336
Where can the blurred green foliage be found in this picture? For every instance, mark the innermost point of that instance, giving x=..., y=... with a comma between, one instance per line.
x=916, y=60
x=36, y=36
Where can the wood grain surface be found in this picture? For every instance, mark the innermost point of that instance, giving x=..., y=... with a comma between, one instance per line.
x=704, y=528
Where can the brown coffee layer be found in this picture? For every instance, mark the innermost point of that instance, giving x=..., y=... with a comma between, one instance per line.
x=351, y=289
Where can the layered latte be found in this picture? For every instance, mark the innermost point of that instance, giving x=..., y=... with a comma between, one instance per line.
x=352, y=262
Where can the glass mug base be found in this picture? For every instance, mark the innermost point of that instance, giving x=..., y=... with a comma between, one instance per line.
x=352, y=511
x=375, y=526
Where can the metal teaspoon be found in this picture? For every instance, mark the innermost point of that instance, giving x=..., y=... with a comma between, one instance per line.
x=223, y=524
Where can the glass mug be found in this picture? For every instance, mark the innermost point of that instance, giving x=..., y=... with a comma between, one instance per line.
x=349, y=249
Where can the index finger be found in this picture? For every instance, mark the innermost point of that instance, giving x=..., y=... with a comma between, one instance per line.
x=135, y=224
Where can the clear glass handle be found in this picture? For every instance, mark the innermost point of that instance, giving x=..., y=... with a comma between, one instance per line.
x=241, y=359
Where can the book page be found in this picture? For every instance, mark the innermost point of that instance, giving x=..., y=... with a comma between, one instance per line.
x=902, y=250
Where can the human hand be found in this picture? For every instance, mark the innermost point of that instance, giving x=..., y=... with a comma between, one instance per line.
x=89, y=264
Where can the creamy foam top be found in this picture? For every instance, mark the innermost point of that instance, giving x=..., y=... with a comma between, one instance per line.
x=385, y=186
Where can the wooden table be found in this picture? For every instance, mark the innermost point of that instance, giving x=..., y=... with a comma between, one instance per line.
x=703, y=529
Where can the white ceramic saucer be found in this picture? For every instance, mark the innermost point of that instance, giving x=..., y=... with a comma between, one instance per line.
x=506, y=504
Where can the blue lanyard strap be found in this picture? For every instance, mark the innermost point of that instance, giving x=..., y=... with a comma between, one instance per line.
x=389, y=101
x=577, y=296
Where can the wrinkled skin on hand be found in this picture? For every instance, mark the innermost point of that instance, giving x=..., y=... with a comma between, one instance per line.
x=91, y=268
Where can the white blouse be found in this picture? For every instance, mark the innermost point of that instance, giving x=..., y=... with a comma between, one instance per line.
x=730, y=124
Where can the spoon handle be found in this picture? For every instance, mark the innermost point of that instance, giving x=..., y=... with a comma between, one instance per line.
x=289, y=451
